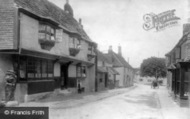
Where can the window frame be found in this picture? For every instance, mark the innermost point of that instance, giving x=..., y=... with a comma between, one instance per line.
x=73, y=42
x=49, y=30
x=81, y=71
x=37, y=70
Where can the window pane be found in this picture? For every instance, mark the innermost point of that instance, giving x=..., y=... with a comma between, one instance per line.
x=50, y=69
x=22, y=70
x=44, y=68
x=38, y=69
x=42, y=36
x=78, y=71
x=48, y=29
x=52, y=31
x=53, y=38
x=42, y=27
x=83, y=71
x=31, y=68
x=48, y=37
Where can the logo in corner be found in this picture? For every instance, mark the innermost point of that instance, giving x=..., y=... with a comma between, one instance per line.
x=160, y=21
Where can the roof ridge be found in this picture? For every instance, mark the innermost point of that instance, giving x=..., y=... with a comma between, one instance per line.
x=45, y=8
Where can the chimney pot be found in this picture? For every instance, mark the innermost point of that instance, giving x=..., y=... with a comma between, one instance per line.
x=119, y=51
x=80, y=21
x=186, y=28
x=110, y=49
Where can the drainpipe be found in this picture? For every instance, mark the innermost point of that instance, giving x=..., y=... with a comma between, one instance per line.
x=96, y=67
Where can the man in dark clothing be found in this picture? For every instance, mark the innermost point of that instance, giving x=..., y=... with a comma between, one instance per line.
x=10, y=80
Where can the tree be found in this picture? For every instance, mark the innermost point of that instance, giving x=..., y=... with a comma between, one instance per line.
x=153, y=67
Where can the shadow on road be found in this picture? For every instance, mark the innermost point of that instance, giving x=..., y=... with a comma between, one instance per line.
x=149, y=100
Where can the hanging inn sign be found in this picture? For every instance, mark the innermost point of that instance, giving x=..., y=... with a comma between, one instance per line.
x=160, y=21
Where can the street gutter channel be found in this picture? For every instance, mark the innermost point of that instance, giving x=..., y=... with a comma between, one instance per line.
x=159, y=106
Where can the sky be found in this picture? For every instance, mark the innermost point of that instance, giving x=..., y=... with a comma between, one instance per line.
x=119, y=22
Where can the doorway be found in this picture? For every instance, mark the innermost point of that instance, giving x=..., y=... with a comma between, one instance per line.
x=64, y=76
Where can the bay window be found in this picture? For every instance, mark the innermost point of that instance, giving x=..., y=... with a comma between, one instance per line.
x=75, y=43
x=46, y=32
x=46, y=36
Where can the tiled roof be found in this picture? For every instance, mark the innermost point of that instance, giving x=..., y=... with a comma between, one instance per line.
x=123, y=61
x=118, y=61
x=102, y=57
x=46, y=9
x=179, y=43
x=102, y=69
x=112, y=71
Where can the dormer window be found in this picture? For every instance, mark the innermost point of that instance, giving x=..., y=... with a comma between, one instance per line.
x=46, y=36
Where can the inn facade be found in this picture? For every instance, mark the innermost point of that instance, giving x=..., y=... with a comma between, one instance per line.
x=47, y=47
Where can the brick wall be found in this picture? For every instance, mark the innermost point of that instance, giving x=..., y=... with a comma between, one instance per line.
x=6, y=24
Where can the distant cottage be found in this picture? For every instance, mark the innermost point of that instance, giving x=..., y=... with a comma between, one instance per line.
x=124, y=69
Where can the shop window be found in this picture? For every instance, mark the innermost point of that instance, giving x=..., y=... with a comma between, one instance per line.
x=36, y=68
x=81, y=71
x=44, y=68
x=31, y=68
x=50, y=69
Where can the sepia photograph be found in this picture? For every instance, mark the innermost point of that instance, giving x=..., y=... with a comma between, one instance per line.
x=94, y=59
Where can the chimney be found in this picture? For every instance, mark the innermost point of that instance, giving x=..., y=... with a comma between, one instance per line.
x=80, y=22
x=110, y=49
x=68, y=9
x=119, y=50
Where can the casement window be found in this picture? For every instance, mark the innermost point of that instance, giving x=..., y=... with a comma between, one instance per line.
x=90, y=49
x=81, y=71
x=46, y=32
x=75, y=43
x=35, y=69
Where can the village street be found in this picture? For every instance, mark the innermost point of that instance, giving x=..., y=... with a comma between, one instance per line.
x=138, y=102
